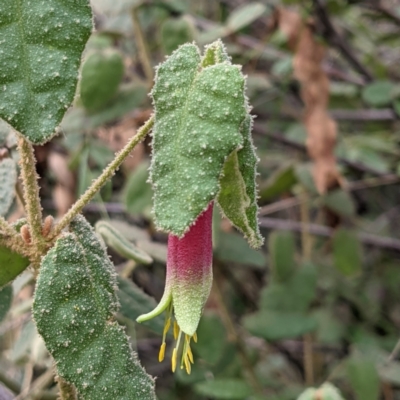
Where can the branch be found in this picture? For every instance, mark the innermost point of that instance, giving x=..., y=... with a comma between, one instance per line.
x=320, y=230
x=335, y=39
x=102, y=179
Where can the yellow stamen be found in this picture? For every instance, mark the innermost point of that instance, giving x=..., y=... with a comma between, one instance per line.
x=161, y=354
x=188, y=366
x=176, y=330
x=167, y=326
x=195, y=337
x=190, y=354
x=174, y=358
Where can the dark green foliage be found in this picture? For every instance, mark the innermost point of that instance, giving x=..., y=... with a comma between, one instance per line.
x=74, y=307
x=11, y=265
x=39, y=62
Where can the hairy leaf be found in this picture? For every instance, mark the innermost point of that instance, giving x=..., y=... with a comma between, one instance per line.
x=238, y=194
x=198, y=114
x=74, y=308
x=8, y=179
x=39, y=62
x=11, y=265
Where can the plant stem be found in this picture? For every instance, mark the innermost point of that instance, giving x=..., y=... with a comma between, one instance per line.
x=31, y=193
x=142, y=47
x=235, y=337
x=67, y=391
x=101, y=180
x=6, y=228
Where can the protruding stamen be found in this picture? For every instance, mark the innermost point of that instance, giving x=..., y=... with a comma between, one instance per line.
x=161, y=354
x=187, y=365
x=176, y=330
x=174, y=358
x=190, y=354
x=195, y=337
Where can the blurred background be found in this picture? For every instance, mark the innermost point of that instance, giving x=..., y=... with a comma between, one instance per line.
x=320, y=302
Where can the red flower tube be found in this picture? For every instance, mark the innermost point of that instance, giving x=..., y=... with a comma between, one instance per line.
x=188, y=285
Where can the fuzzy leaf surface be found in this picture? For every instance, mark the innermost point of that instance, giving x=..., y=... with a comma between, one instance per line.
x=8, y=179
x=40, y=56
x=238, y=195
x=198, y=114
x=74, y=306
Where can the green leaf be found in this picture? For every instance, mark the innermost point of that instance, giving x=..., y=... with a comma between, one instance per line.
x=279, y=182
x=120, y=244
x=238, y=194
x=102, y=73
x=363, y=378
x=245, y=15
x=8, y=179
x=347, y=252
x=278, y=325
x=135, y=302
x=39, y=62
x=293, y=295
x=281, y=247
x=74, y=309
x=11, y=265
x=175, y=32
x=378, y=93
x=340, y=202
x=198, y=114
x=224, y=389
x=330, y=329
x=231, y=247
x=6, y=296
x=210, y=328
x=137, y=192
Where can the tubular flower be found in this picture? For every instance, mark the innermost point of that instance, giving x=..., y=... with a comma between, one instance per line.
x=188, y=285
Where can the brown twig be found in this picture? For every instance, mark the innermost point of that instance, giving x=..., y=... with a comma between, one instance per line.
x=320, y=230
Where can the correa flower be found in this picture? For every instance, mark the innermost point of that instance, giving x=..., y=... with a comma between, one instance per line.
x=188, y=285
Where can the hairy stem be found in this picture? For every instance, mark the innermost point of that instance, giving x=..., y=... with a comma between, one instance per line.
x=6, y=228
x=143, y=52
x=102, y=179
x=67, y=391
x=31, y=193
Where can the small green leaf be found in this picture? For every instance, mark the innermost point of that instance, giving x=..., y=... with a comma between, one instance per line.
x=212, y=328
x=363, y=377
x=11, y=265
x=175, y=32
x=6, y=296
x=135, y=302
x=39, y=62
x=279, y=182
x=231, y=247
x=281, y=247
x=278, y=325
x=245, y=15
x=330, y=329
x=378, y=93
x=74, y=309
x=224, y=389
x=120, y=244
x=347, y=252
x=340, y=202
x=238, y=194
x=8, y=179
x=198, y=114
x=293, y=295
x=137, y=192
x=102, y=73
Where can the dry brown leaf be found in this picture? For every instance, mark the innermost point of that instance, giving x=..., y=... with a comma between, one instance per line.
x=307, y=69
